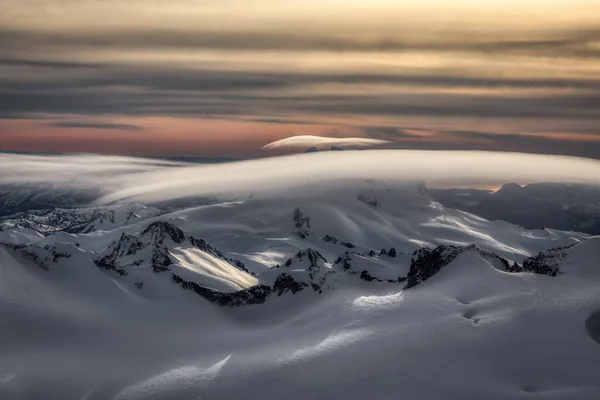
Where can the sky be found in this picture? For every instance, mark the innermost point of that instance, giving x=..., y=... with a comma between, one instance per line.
x=223, y=78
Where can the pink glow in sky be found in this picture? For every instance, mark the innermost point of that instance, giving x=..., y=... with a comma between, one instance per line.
x=221, y=78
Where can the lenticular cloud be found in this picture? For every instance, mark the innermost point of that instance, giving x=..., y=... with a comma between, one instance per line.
x=305, y=142
x=154, y=180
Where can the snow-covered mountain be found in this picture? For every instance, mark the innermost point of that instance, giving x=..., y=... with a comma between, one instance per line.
x=15, y=198
x=369, y=232
x=361, y=288
x=564, y=206
x=78, y=220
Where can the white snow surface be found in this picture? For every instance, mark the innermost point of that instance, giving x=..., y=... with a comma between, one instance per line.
x=472, y=331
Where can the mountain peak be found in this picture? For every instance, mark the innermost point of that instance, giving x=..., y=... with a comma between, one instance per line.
x=161, y=230
x=510, y=187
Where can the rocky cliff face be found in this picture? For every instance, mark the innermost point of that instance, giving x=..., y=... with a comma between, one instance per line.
x=428, y=262
x=547, y=262
x=254, y=295
x=40, y=256
x=151, y=248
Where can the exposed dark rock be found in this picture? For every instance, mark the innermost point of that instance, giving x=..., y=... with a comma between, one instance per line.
x=390, y=253
x=161, y=260
x=546, y=262
x=158, y=232
x=365, y=276
x=330, y=239
x=515, y=268
x=253, y=295
x=139, y=285
x=313, y=257
x=321, y=282
x=427, y=262
x=300, y=221
x=344, y=260
x=29, y=253
x=286, y=283
x=161, y=230
x=127, y=245
x=56, y=255
x=503, y=261
x=304, y=234
x=334, y=240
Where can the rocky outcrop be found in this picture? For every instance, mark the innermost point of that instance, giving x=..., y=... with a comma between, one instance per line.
x=152, y=247
x=427, y=262
x=253, y=295
x=40, y=256
x=204, y=246
x=344, y=260
x=286, y=283
x=313, y=262
x=304, y=234
x=505, y=264
x=77, y=220
x=334, y=240
x=160, y=260
x=366, y=276
x=390, y=253
x=300, y=221
x=312, y=256
x=161, y=230
x=515, y=268
x=126, y=246
x=546, y=262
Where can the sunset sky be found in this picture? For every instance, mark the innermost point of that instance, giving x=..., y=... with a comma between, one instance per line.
x=222, y=78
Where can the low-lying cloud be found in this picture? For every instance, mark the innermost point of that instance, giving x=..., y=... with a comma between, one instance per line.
x=150, y=180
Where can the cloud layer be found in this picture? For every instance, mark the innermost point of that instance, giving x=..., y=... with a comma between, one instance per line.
x=512, y=73
x=150, y=180
x=306, y=142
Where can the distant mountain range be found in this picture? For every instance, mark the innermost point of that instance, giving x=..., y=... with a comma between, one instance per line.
x=562, y=206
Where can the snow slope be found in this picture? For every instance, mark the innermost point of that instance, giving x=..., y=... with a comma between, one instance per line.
x=358, y=289
x=471, y=331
